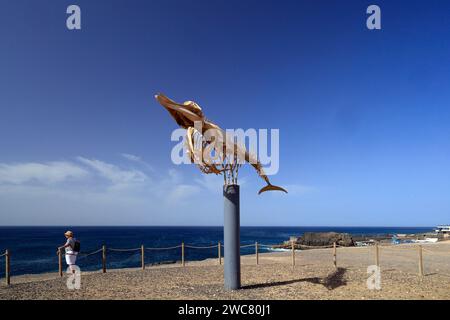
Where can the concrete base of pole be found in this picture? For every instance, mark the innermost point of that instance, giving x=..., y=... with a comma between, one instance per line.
x=231, y=231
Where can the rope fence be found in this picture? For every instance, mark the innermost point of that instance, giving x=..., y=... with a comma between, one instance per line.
x=166, y=248
x=247, y=245
x=418, y=251
x=205, y=247
x=265, y=245
x=7, y=256
x=84, y=255
x=123, y=250
x=374, y=252
x=435, y=252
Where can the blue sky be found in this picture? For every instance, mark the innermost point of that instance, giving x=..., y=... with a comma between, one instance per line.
x=363, y=115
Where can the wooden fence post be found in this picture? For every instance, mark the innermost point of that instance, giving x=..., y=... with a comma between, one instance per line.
x=142, y=257
x=8, y=267
x=182, y=254
x=104, y=258
x=220, y=253
x=293, y=253
x=420, y=262
x=377, y=255
x=334, y=255
x=60, y=270
x=256, y=252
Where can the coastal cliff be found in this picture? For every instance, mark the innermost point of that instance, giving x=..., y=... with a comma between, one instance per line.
x=311, y=240
x=325, y=239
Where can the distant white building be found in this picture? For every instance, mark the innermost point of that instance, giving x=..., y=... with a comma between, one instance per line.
x=444, y=229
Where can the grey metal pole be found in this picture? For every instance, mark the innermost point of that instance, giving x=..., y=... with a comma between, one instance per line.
x=231, y=230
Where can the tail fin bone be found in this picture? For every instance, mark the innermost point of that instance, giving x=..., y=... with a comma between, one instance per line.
x=271, y=187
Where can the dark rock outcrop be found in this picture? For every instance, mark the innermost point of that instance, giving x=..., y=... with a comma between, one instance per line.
x=325, y=239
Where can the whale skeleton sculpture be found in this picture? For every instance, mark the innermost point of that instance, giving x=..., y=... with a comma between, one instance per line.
x=204, y=138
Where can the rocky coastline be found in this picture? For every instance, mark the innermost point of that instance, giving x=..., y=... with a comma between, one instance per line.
x=313, y=240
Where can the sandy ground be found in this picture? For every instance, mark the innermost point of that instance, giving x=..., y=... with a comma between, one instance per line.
x=313, y=277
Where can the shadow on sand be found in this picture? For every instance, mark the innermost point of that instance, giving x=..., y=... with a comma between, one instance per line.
x=332, y=281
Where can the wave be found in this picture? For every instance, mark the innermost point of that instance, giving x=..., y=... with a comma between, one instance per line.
x=281, y=250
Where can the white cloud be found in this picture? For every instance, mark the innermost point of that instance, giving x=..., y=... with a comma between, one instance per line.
x=115, y=174
x=131, y=157
x=46, y=173
x=175, y=176
x=181, y=193
x=92, y=191
x=210, y=182
x=138, y=160
x=89, y=191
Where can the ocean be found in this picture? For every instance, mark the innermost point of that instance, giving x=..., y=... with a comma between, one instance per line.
x=33, y=249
